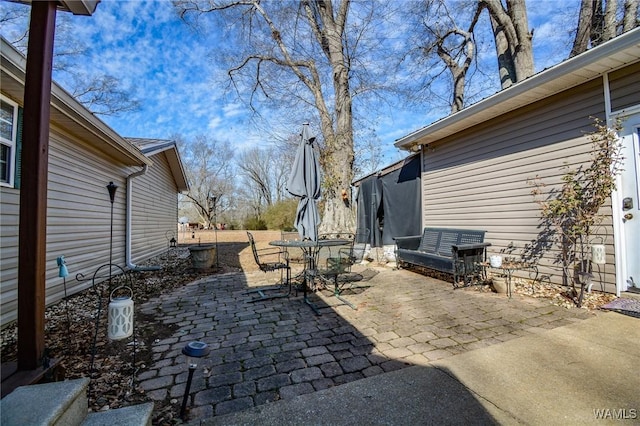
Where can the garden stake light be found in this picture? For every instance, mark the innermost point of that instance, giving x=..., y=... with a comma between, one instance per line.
x=63, y=273
x=193, y=351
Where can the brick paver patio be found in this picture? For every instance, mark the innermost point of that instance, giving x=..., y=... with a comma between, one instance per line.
x=277, y=349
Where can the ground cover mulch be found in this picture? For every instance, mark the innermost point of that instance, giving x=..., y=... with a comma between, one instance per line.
x=71, y=333
x=70, y=330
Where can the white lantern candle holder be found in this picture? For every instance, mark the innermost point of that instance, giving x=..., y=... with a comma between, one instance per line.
x=120, y=324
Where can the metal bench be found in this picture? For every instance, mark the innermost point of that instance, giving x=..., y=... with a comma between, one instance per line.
x=453, y=251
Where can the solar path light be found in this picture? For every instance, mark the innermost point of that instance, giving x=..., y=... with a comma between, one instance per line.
x=193, y=351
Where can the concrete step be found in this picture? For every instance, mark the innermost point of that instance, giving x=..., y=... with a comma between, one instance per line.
x=58, y=403
x=133, y=415
x=65, y=404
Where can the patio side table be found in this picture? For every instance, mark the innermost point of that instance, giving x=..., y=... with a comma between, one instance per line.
x=509, y=267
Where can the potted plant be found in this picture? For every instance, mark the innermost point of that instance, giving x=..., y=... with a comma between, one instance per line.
x=202, y=256
x=571, y=212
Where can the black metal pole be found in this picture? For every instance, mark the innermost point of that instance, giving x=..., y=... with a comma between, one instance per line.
x=192, y=369
x=112, y=196
x=215, y=227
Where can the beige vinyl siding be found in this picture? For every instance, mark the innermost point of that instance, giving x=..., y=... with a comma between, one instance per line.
x=624, y=85
x=78, y=222
x=79, y=218
x=155, y=210
x=9, y=220
x=478, y=178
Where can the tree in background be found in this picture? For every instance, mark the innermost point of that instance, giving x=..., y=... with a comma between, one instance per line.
x=303, y=55
x=265, y=173
x=602, y=20
x=444, y=35
x=440, y=35
x=102, y=94
x=208, y=165
x=512, y=37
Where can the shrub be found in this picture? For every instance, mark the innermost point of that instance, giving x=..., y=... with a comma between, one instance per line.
x=571, y=212
x=255, y=223
x=281, y=215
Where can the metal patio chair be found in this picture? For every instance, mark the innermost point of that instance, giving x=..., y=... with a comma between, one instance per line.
x=296, y=255
x=268, y=260
x=339, y=262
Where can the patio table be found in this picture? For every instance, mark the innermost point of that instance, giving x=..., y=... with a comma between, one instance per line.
x=510, y=266
x=310, y=249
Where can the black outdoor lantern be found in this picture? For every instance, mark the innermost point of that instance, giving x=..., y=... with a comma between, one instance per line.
x=112, y=187
x=193, y=351
x=173, y=243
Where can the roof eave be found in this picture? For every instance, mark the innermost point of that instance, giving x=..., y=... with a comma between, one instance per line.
x=177, y=168
x=69, y=113
x=619, y=52
x=173, y=157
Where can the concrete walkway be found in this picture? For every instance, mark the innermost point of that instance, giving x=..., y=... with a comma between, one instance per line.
x=416, y=351
x=574, y=375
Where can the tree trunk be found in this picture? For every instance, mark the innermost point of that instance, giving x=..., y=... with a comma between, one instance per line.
x=338, y=156
x=598, y=24
x=513, y=40
x=583, y=31
x=458, y=71
x=630, y=18
x=609, y=21
x=506, y=65
x=337, y=162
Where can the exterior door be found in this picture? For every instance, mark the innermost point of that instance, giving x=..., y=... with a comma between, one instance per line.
x=630, y=201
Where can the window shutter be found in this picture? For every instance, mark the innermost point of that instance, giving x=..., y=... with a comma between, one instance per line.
x=16, y=177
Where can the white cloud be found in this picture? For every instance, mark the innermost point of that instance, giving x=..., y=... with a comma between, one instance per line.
x=167, y=66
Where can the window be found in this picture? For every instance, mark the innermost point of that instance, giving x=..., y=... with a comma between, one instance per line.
x=8, y=141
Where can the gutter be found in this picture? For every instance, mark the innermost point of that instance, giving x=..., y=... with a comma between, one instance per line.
x=570, y=73
x=130, y=265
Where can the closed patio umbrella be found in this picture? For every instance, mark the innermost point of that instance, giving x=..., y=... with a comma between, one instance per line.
x=304, y=182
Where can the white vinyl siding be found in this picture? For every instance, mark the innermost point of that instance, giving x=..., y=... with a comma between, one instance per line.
x=155, y=210
x=478, y=178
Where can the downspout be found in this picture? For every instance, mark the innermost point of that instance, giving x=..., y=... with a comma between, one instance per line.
x=128, y=220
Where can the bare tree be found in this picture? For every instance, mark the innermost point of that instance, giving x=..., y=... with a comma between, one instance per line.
x=304, y=52
x=454, y=45
x=102, y=94
x=451, y=36
x=208, y=167
x=264, y=172
x=513, y=40
x=598, y=22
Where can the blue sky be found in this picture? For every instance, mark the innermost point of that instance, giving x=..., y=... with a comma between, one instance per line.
x=167, y=67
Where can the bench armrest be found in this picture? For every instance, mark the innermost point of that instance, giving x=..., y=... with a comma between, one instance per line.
x=463, y=247
x=408, y=243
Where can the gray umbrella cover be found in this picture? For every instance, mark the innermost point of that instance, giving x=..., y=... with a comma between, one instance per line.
x=304, y=182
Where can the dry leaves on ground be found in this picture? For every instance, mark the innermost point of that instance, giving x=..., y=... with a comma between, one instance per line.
x=70, y=330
